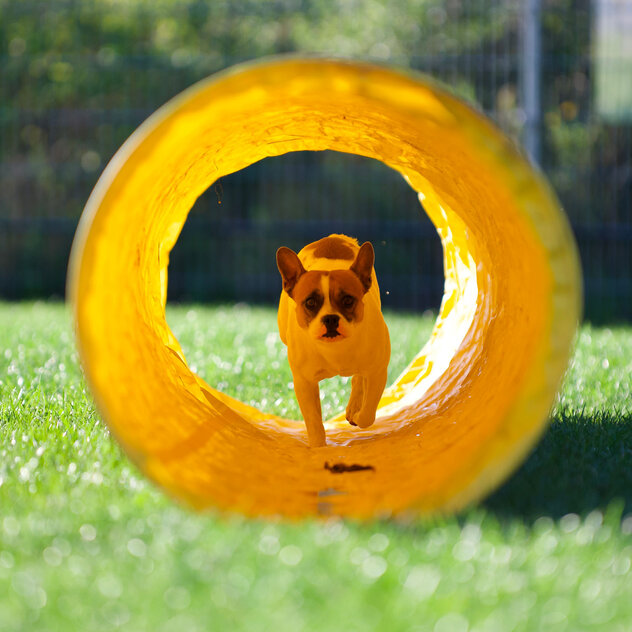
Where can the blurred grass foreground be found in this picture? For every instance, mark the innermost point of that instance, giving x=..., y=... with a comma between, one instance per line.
x=78, y=77
x=87, y=543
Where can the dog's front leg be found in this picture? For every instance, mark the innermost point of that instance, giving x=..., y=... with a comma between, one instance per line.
x=356, y=399
x=374, y=384
x=308, y=396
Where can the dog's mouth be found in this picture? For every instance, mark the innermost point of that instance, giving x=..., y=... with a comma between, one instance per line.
x=331, y=335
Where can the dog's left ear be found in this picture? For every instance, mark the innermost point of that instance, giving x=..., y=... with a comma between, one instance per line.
x=290, y=267
x=363, y=264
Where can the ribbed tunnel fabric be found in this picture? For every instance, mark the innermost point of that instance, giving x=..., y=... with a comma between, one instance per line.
x=473, y=400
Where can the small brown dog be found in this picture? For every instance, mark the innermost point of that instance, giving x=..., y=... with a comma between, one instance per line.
x=331, y=320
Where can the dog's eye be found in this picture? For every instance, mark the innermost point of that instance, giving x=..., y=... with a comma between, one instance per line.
x=348, y=301
x=310, y=303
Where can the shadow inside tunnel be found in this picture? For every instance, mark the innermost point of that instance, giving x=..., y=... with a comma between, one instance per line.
x=582, y=463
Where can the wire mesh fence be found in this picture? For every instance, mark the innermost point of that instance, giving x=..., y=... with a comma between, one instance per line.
x=76, y=78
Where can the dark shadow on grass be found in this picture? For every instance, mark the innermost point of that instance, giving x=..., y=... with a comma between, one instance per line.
x=583, y=462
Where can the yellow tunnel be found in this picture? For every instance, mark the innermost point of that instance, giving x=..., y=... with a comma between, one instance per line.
x=472, y=402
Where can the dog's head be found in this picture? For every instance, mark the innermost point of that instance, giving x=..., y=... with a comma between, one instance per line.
x=329, y=304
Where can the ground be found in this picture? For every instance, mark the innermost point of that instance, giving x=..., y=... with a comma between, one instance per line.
x=86, y=543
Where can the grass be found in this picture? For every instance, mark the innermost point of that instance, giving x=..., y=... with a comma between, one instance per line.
x=86, y=543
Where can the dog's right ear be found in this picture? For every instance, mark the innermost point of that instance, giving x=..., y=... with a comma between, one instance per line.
x=290, y=267
x=363, y=264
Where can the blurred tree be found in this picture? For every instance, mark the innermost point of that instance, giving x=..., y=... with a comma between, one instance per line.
x=78, y=76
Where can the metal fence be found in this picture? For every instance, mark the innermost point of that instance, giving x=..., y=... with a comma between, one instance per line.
x=76, y=78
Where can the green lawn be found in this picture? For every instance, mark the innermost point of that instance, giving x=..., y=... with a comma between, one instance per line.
x=86, y=543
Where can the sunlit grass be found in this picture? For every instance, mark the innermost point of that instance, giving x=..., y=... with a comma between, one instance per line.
x=86, y=543
x=239, y=351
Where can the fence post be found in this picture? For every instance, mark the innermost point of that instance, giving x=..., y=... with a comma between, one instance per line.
x=530, y=77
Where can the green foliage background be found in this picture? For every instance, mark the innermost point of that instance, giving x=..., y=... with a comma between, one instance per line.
x=79, y=76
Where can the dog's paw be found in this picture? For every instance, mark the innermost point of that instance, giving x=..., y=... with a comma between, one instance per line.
x=352, y=412
x=362, y=420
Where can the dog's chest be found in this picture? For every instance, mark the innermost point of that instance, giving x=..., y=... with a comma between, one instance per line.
x=318, y=363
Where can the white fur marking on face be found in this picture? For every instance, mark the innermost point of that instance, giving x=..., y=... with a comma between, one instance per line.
x=326, y=308
x=316, y=325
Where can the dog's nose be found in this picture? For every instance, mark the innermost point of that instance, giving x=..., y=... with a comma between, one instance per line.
x=331, y=321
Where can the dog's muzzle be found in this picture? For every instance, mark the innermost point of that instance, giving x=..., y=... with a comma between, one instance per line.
x=331, y=322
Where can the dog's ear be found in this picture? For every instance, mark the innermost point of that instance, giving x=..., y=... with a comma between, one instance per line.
x=363, y=264
x=290, y=267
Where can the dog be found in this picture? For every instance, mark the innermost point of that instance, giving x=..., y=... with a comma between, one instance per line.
x=330, y=319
